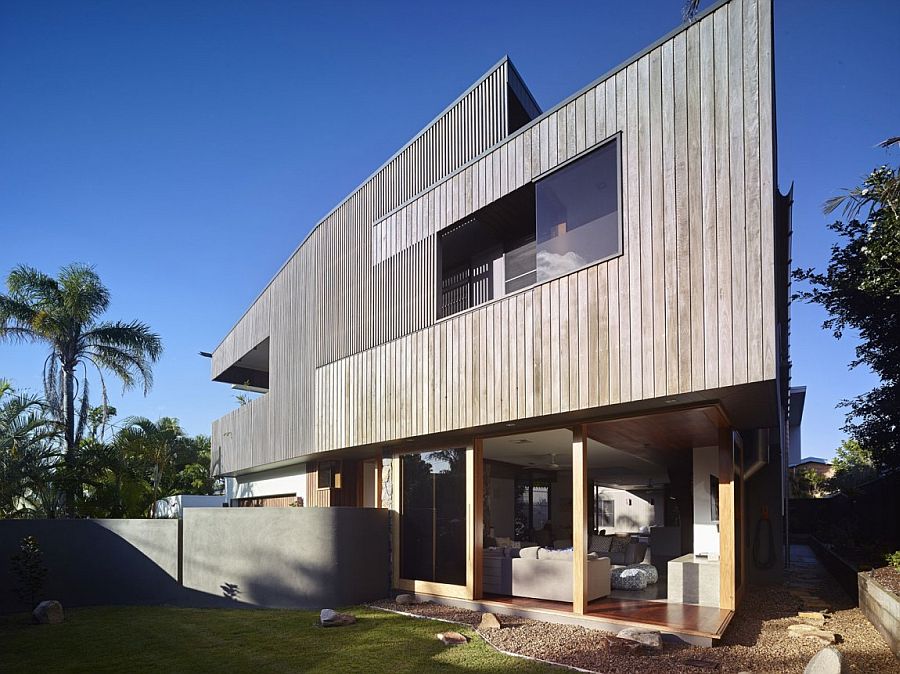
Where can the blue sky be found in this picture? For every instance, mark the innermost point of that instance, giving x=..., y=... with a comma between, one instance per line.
x=186, y=148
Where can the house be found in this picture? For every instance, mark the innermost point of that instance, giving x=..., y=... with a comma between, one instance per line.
x=552, y=343
x=815, y=464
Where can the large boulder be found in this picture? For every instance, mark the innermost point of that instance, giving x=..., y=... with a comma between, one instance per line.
x=407, y=600
x=827, y=661
x=451, y=638
x=645, y=637
x=48, y=612
x=489, y=622
x=330, y=618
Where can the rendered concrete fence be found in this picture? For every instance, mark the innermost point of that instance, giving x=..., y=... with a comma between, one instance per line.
x=96, y=561
x=287, y=557
x=274, y=557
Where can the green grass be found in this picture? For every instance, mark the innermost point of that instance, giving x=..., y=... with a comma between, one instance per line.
x=167, y=639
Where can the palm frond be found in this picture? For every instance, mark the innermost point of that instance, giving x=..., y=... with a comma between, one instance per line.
x=689, y=10
x=84, y=296
x=32, y=286
x=887, y=142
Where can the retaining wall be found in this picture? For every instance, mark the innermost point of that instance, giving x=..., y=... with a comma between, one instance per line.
x=272, y=557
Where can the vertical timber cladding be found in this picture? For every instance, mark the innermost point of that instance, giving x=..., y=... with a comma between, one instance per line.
x=329, y=300
x=689, y=305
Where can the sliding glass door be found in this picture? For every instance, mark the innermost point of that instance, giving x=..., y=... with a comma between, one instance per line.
x=433, y=516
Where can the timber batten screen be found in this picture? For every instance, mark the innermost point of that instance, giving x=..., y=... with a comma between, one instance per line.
x=359, y=356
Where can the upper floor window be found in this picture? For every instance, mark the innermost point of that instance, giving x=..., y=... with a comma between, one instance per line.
x=543, y=230
x=577, y=214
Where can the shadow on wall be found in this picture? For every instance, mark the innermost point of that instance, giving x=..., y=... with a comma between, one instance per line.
x=287, y=557
x=284, y=557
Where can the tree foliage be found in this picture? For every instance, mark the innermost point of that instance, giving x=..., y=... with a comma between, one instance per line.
x=860, y=290
x=65, y=313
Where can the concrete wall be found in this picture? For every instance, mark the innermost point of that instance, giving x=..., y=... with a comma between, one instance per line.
x=287, y=557
x=96, y=561
x=276, y=557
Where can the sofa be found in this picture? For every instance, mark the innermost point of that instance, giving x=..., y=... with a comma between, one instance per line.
x=541, y=573
x=621, y=550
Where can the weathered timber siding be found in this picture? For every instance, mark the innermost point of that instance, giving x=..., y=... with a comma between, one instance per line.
x=358, y=356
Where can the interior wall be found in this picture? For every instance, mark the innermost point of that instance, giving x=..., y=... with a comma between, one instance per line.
x=706, y=532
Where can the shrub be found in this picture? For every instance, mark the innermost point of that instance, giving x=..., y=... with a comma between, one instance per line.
x=893, y=559
x=28, y=569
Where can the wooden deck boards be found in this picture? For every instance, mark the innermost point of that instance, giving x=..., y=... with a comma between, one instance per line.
x=704, y=621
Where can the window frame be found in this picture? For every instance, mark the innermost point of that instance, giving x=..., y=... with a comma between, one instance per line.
x=617, y=138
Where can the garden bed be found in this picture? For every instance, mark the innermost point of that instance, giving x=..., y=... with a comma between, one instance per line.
x=879, y=602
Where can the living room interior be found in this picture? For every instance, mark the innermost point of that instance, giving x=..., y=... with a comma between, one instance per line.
x=651, y=507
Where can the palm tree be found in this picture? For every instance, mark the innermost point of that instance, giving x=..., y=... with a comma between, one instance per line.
x=27, y=449
x=156, y=444
x=64, y=313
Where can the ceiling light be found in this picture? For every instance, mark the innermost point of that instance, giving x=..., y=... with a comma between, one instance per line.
x=510, y=424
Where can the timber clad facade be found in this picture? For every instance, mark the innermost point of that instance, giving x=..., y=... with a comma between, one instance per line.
x=357, y=355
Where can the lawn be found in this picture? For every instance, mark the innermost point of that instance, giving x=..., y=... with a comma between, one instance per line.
x=167, y=639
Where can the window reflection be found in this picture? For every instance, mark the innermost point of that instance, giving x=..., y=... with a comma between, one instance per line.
x=577, y=214
x=433, y=517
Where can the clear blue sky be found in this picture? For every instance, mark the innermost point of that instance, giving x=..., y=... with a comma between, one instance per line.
x=186, y=148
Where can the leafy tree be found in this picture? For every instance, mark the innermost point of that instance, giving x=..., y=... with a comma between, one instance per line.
x=65, y=314
x=808, y=483
x=28, y=569
x=860, y=290
x=853, y=465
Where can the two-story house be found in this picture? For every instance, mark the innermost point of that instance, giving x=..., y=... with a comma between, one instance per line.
x=554, y=344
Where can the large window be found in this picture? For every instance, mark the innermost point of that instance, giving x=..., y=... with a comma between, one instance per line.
x=532, y=507
x=433, y=517
x=545, y=229
x=577, y=213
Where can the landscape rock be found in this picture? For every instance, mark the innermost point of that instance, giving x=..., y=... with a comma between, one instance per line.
x=489, y=622
x=812, y=632
x=330, y=618
x=451, y=638
x=48, y=612
x=649, y=638
x=615, y=644
x=814, y=617
x=827, y=661
x=408, y=600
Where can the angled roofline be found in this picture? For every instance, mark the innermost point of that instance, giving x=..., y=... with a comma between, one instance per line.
x=505, y=59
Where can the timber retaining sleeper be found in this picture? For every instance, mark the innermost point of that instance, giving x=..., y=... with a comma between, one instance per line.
x=882, y=608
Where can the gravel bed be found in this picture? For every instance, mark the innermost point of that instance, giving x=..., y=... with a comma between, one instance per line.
x=889, y=577
x=756, y=640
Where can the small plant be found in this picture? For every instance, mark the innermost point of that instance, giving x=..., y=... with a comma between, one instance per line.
x=28, y=569
x=893, y=558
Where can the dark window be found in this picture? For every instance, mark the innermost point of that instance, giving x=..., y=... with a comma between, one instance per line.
x=542, y=230
x=532, y=507
x=577, y=214
x=604, y=510
x=433, y=517
x=328, y=472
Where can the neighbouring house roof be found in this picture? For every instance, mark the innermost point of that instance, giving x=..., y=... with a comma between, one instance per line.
x=811, y=459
